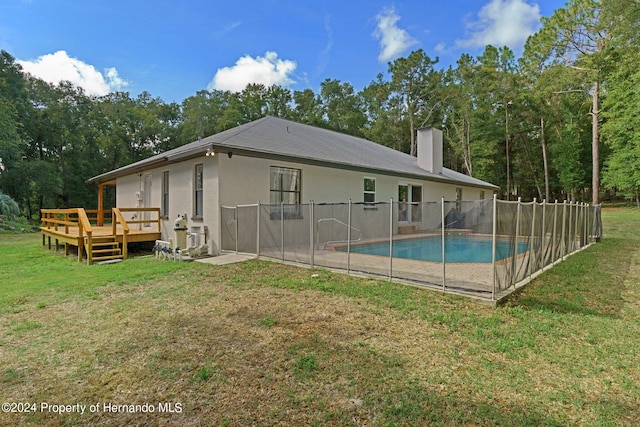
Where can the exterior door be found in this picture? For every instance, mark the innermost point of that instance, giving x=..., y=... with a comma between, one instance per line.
x=409, y=203
x=403, y=202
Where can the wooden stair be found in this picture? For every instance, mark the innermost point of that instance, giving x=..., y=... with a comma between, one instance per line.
x=103, y=248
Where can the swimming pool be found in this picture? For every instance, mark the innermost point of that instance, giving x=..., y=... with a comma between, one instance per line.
x=457, y=248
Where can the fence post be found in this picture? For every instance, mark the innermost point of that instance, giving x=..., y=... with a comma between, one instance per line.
x=555, y=232
x=349, y=240
x=493, y=246
x=258, y=230
x=570, y=236
x=532, y=250
x=282, y=230
x=543, y=236
x=578, y=229
x=237, y=220
x=563, y=247
x=443, y=245
x=311, y=242
x=514, y=260
x=584, y=219
x=391, y=239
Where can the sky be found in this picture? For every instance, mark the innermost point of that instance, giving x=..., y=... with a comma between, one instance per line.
x=172, y=49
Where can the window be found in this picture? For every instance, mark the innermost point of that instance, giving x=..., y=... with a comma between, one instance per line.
x=198, y=198
x=369, y=191
x=285, y=188
x=165, y=194
x=481, y=195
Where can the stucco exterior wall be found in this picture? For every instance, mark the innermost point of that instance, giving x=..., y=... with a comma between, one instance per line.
x=181, y=196
x=245, y=180
x=238, y=180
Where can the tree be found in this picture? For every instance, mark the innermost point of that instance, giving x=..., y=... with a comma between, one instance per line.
x=416, y=85
x=8, y=206
x=577, y=37
x=342, y=107
x=622, y=124
x=386, y=123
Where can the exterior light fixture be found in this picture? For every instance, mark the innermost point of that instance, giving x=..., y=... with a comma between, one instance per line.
x=210, y=153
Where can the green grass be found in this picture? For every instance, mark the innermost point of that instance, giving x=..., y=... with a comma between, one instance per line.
x=33, y=276
x=261, y=343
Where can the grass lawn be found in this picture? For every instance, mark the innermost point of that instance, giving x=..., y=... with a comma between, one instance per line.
x=260, y=343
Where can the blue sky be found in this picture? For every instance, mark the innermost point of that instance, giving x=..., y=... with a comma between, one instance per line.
x=174, y=48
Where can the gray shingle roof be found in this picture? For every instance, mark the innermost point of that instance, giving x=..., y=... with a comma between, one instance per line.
x=276, y=138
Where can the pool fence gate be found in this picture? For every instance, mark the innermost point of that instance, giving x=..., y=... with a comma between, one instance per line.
x=482, y=248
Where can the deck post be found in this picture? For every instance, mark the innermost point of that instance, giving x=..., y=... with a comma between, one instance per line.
x=81, y=241
x=101, y=204
x=89, y=248
x=125, y=233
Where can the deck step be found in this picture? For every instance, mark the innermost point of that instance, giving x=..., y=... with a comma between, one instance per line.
x=104, y=248
x=106, y=251
x=104, y=258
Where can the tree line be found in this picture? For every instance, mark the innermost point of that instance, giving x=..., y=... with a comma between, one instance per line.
x=532, y=125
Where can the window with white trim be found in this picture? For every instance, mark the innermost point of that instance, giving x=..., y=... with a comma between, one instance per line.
x=369, y=190
x=165, y=194
x=198, y=196
x=285, y=188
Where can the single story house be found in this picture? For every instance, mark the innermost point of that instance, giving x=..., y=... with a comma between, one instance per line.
x=273, y=161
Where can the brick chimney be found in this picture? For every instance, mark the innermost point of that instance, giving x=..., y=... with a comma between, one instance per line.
x=430, y=149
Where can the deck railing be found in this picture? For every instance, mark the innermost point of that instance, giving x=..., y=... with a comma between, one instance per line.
x=94, y=216
x=70, y=226
x=73, y=227
x=144, y=217
x=118, y=219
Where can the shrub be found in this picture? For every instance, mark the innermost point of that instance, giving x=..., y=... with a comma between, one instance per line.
x=8, y=206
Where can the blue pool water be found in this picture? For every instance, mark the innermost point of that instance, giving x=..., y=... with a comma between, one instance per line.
x=458, y=249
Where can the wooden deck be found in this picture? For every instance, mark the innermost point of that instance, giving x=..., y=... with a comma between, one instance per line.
x=73, y=227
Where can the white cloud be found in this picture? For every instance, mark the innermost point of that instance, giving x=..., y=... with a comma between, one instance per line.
x=325, y=54
x=58, y=66
x=503, y=23
x=227, y=29
x=267, y=69
x=394, y=41
x=440, y=48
